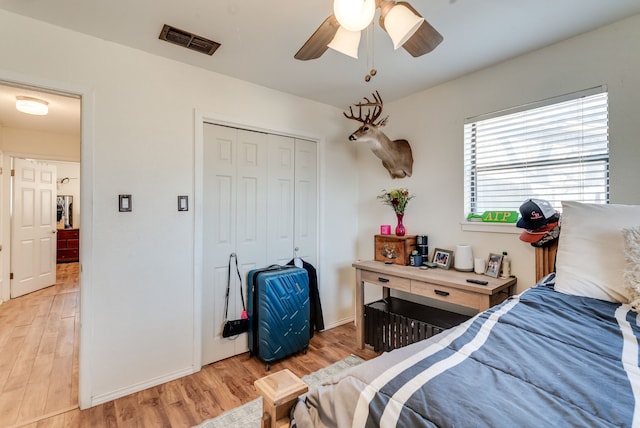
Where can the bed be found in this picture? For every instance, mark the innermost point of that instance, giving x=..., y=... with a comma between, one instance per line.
x=562, y=353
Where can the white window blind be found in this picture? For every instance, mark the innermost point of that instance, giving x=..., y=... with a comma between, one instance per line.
x=556, y=149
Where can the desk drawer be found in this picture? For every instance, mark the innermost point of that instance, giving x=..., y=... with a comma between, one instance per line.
x=69, y=233
x=448, y=294
x=385, y=280
x=68, y=255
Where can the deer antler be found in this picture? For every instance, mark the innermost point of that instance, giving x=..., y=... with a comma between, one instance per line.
x=372, y=113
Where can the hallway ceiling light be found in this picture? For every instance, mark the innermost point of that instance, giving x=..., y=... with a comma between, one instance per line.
x=32, y=105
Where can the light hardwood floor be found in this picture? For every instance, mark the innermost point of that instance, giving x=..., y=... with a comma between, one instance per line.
x=39, y=370
x=39, y=352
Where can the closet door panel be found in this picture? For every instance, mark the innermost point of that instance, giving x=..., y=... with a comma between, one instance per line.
x=252, y=198
x=306, y=200
x=219, y=240
x=251, y=203
x=223, y=205
x=280, y=241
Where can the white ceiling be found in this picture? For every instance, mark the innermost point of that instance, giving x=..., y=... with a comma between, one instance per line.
x=63, y=117
x=260, y=37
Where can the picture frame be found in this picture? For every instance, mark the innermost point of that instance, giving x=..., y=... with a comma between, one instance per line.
x=493, y=266
x=442, y=258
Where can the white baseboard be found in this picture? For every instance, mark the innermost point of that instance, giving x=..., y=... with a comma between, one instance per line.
x=103, y=398
x=338, y=323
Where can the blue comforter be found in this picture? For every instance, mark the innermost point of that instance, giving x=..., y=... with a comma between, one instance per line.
x=540, y=359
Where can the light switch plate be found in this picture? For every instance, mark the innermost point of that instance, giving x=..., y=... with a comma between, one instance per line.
x=183, y=203
x=124, y=203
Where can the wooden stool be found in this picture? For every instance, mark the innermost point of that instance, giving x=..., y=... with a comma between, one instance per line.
x=279, y=393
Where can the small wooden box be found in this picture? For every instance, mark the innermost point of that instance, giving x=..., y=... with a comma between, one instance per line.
x=395, y=249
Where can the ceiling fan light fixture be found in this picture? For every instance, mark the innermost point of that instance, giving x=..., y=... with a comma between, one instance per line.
x=401, y=23
x=354, y=15
x=32, y=105
x=346, y=42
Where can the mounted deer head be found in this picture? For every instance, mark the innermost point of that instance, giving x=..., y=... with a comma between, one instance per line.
x=396, y=156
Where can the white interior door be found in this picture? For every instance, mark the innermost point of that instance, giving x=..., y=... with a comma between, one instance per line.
x=234, y=203
x=33, y=227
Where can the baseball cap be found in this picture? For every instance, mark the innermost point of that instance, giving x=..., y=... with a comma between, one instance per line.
x=533, y=236
x=535, y=213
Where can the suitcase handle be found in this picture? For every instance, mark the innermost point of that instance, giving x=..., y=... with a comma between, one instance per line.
x=277, y=267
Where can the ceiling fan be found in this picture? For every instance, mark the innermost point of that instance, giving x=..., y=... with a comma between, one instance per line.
x=341, y=31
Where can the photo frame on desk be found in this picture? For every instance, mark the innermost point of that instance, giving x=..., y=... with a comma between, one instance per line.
x=442, y=258
x=493, y=266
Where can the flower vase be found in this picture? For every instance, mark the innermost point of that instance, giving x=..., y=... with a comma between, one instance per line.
x=400, y=230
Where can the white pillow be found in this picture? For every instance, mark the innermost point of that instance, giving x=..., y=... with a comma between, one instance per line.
x=590, y=260
x=632, y=265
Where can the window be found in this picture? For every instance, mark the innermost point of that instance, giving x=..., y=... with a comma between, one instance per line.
x=556, y=149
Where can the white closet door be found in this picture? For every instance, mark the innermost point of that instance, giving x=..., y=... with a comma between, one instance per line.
x=280, y=242
x=250, y=207
x=234, y=201
x=306, y=200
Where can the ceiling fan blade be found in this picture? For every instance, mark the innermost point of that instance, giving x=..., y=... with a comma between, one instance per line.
x=317, y=43
x=423, y=41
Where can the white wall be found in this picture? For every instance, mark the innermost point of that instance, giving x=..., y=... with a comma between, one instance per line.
x=433, y=123
x=45, y=145
x=138, y=138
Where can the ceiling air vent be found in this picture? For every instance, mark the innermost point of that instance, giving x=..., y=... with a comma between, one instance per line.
x=188, y=40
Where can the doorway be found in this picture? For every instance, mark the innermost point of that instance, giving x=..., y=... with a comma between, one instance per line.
x=55, y=138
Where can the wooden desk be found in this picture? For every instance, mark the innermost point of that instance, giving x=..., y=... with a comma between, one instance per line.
x=439, y=284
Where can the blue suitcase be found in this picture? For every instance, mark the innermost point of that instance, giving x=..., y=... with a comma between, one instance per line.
x=278, y=309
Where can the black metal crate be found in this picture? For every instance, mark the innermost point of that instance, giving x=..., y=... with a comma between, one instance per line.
x=393, y=323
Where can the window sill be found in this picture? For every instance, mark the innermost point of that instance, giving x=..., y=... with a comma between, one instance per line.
x=480, y=226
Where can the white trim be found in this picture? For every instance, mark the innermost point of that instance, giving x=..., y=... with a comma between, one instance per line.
x=198, y=193
x=140, y=386
x=480, y=226
x=339, y=322
x=86, y=205
x=87, y=190
x=537, y=104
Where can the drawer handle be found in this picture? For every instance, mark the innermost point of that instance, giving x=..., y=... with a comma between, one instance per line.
x=381, y=279
x=441, y=293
